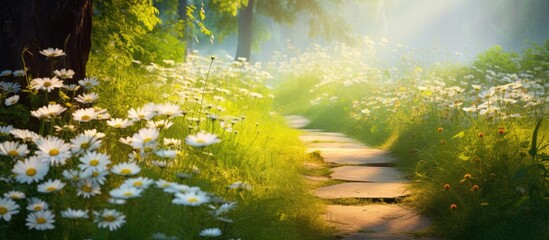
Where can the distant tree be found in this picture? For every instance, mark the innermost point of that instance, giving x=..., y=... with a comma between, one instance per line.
x=323, y=20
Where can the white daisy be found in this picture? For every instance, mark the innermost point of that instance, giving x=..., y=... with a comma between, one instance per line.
x=125, y=192
x=202, y=139
x=160, y=124
x=6, y=129
x=49, y=111
x=83, y=143
x=74, y=213
x=162, y=184
x=18, y=73
x=94, y=133
x=172, y=142
x=37, y=204
x=71, y=87
x=98, y=176
x=41, y=220
x=180, y=188
x=126, y=140
x=87, y=98
x=88, y=83
x=13, y=149
x=166, y=153
x=53, y=150
x=10, y=87
x=8, y=208
x=25, y=135
x=15, y=195
x=139, y=182
x=117, y=201
x=145, y=138
x=5, y=73
x=192, y=198
x=119, y=123
x=168, y=109
x=52, y=52
x=84, y=115
x=94, y=161
x=160, y=164
x=46, y=84
x=140, y=114
x=11, y=100
x=126, y=169
x=210, y=232
x=109, y=218
x=71, y=175
x=88, y=188
x=51, y=186
x=239, y=185
x=64, y=73
x=30, y=170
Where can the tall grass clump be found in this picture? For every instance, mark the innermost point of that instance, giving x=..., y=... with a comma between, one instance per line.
x=158, y=151
x=472, y=137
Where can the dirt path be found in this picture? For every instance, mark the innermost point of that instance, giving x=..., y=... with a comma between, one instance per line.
x=363, y=202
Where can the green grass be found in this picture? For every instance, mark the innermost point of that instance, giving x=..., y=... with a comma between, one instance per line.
x=256, y=149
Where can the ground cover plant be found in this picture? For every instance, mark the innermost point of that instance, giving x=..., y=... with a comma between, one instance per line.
x=158, y=151
x=472, y=137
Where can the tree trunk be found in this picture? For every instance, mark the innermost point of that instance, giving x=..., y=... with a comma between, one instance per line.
x=245, y=16
x=35, y=25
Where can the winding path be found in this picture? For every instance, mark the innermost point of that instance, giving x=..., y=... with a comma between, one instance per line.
x=363, y=175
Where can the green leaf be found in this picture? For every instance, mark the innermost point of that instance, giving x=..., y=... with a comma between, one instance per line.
x=459, y=135
x=534, y=149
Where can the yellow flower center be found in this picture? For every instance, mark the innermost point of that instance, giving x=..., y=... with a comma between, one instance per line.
x=138, y=184
x=54, y=152
x=13, y=153
x=86, y=188
x=84, y=145
x=40, y=220
x=146, y=140
x=94, y=162
x=51, y=189
x=86, y=117
x=37, y=208
x=109, y=218
x=118, y=125
x=3, y=210
x=128, y=194
x=95, y=174
x=125, y=171
x=47, y=84
x=30, y=172
x=200, y=141
x=192, y=200
x=141, y=116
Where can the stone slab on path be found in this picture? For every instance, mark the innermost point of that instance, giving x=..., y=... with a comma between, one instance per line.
x=306, y=132
x=316, y=145
x=357, y=156
x=368, y=174
x=389, y=219
x=324, y=138
x=295, y=121
x=362, y=190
